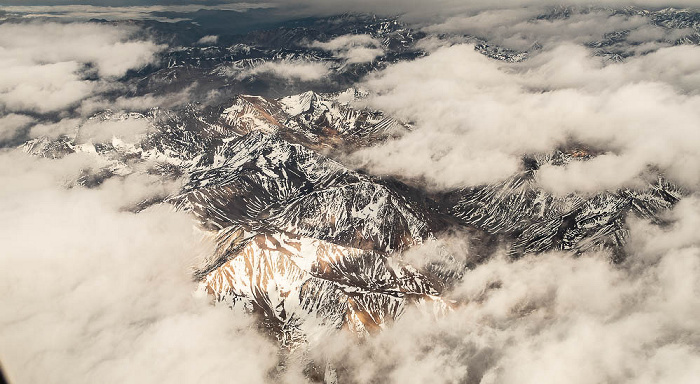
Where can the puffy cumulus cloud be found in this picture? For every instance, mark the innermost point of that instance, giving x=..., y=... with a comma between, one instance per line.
x=450, y=254
x=52, y=130
x=361, y=55
x=208, y=40
x=519, y=28
x=353, y=48
x=552, y=318
x=11, y=126
x=475, y=117
x=347, y=41
x=441, y=94
x=49, y=67
x=92, y=293
x=42, y=88
x=571, y=66
x=289, y=70
x=110, y=49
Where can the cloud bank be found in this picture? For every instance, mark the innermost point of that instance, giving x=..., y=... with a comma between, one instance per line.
x=440, y=9
x=92, y=293
x=49, y=67
x=552, y=318
x=476, y=117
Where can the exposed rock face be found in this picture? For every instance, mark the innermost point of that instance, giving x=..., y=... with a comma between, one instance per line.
x=312, y=246
x=536, y=221
x=316, y=121
x=299, y=282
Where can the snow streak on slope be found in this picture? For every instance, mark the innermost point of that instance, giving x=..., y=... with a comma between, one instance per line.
x=296, y=283
x=313, y=246
x=317, y=121
x=538, y=221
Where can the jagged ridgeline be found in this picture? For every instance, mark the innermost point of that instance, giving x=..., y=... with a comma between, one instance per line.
x=310, y=245
x=217, y=67
x=302, y=239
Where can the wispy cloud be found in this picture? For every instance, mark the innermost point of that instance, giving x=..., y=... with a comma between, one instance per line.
x=352, y=48
x=86, y=12
x=297, y=70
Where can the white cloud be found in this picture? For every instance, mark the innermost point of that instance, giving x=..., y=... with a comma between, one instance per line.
x=110, y=49
x=95, y=294
x=87, y=12
x=95, y=130
x=145, y=102
x=439, y=9
x=42, y=87
x=45, y=64
x=68, y=127
x=289, y=70
x=353, y=48
x=552, y=318
x=208, y=40
x=347, y=41
x=648, y=33
x=518, y=29
x=128, y=129
x=12, y=124
x=476, y=117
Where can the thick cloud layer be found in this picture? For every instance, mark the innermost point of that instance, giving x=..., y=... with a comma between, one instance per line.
x=552, y=318
x=519, y=29
x=92, y=293
x=48, y=67
x=420, y=10
x=476, y=117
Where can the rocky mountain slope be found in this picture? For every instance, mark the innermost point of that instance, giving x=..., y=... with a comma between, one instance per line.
x=310, y=245
x=305, y=242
